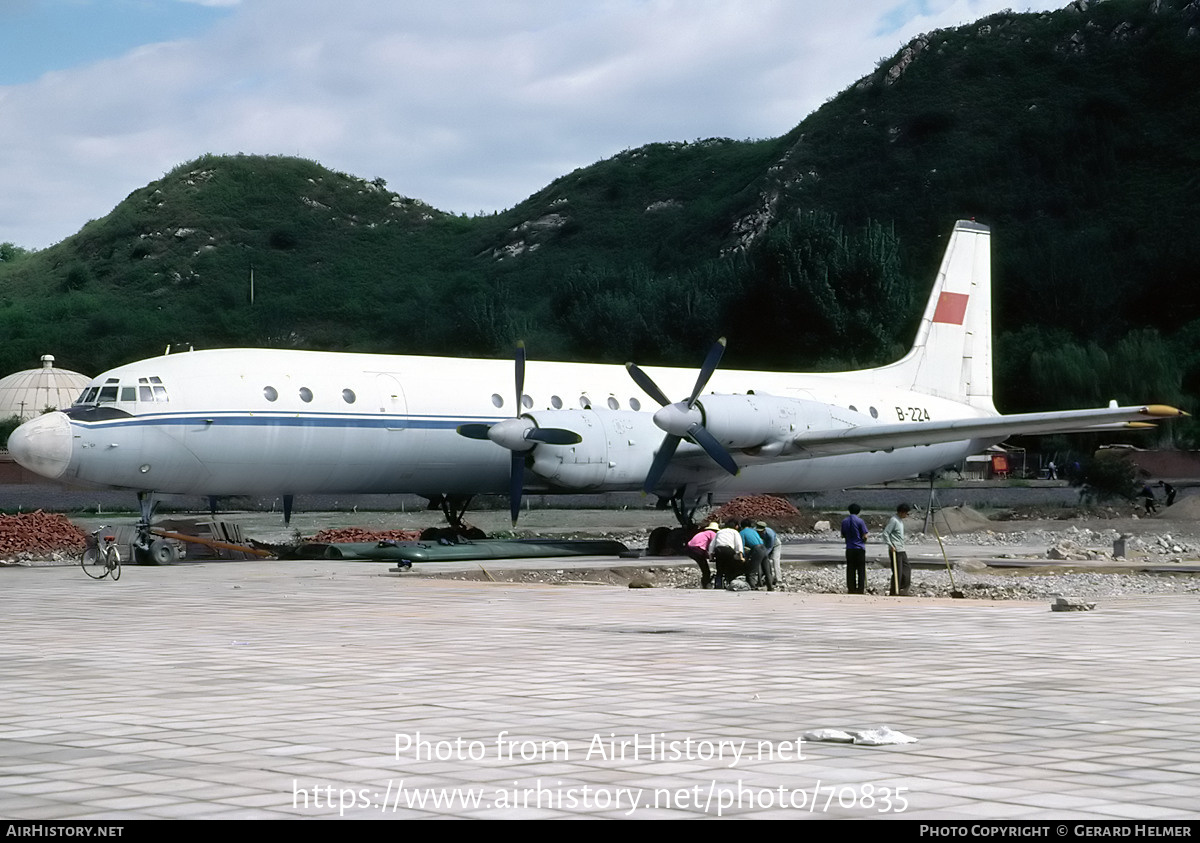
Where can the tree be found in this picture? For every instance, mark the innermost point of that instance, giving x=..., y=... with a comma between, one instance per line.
x=1110, y=474
x=11, y=253
x=7, y=426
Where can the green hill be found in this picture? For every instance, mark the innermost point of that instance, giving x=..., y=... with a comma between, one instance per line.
x=1071, y=133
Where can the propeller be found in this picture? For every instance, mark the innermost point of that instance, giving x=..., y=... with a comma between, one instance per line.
x=683, y=419
x=519, y=435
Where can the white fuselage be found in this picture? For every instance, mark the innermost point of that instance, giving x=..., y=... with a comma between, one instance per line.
x=272, y=422
x=261, y=421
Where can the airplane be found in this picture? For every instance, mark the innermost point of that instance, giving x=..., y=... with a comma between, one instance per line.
x=262, y=421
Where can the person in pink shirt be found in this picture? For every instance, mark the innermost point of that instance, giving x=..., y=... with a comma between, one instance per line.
x=697, y=549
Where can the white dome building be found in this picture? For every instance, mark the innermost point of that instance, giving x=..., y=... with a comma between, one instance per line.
x=26, y=394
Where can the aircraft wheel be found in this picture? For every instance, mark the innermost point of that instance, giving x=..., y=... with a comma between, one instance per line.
x=658, y=542
x=140, y=555
x=163, y=553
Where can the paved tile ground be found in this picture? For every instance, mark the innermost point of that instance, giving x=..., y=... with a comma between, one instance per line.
x=270, y=689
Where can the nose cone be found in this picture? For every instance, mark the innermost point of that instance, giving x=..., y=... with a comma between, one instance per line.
x=676, y=419
x=43, y=445
x=510, y=433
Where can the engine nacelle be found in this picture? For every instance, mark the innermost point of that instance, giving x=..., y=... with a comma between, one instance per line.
x=741, y=422
x=616, y=450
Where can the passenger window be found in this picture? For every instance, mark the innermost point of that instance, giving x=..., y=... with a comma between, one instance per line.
x=585, y=402
x=556, y=402
x=305, y=394
x=635, y=404
x=526, y=402
x=497, y=401
x=270, y=393
x=613, y=403
x=348, y=396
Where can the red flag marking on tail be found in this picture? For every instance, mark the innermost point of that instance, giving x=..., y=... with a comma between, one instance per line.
x=951, y=308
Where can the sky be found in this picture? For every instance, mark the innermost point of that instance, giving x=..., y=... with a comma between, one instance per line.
x=468, y=105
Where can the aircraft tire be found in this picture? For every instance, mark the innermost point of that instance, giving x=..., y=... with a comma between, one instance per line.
x=162, y=553
x=658, y=542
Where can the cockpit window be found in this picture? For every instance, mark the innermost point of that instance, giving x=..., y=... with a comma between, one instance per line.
x=151, y=390
x=108, y=395
x=128, y=393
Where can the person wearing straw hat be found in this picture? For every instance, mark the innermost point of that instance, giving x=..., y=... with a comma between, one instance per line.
x=697, y=549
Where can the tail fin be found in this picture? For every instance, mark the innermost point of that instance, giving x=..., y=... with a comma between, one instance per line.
x=952, y=354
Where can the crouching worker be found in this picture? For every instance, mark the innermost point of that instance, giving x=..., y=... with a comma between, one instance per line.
x=756, y=554
x=726, y=553
x=697, y=549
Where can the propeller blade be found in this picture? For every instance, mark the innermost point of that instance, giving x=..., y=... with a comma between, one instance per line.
x=516, y=485
x=665, y=452
x=648, y=386
x=706, y=371
x=520, y=367
x=474, y=430
x=713, y=448
x=554, y=436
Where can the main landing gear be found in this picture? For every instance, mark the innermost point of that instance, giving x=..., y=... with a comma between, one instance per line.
x=670, y=541
x=453, y=507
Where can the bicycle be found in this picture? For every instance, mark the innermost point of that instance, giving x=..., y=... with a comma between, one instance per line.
x=100, y=556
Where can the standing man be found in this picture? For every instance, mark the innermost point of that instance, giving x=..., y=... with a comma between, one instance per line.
x=854, y=531
x=893, y=535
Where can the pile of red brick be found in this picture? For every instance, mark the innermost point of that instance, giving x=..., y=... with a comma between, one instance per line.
x=349, y=535
x=775, y=511
x=39, y=532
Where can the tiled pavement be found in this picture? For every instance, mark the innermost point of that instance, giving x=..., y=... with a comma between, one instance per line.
x=273, y=689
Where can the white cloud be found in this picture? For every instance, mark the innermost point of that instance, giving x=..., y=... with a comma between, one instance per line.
x=469, y=105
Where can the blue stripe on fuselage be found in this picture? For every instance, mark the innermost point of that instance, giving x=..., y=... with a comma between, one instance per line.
x=291, y=420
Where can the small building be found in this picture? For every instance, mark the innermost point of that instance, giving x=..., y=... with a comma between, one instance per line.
x=27, y=394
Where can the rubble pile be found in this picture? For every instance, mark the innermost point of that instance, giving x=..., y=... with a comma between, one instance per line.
x=356, y=535
x=38, y=532
x=775, y=511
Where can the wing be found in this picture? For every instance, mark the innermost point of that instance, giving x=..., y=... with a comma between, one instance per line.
x=885, y=437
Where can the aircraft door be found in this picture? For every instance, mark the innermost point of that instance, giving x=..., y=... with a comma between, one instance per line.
x=391, y=395
x=400, y=436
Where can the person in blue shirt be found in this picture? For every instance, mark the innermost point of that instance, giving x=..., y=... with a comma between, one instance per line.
x=756, y=556
x=854, y=531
